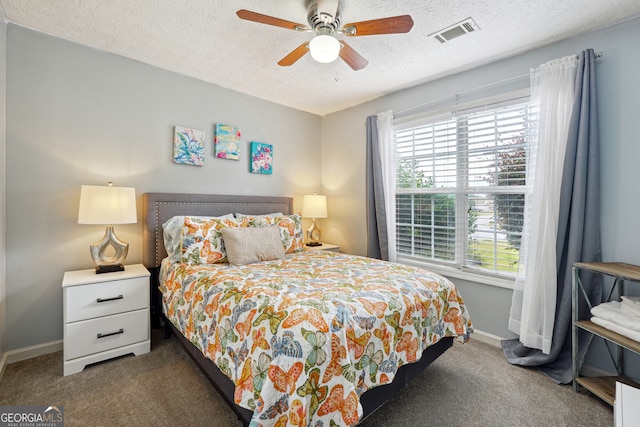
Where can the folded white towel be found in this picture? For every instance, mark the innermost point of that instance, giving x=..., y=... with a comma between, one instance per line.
x=630, y=309
x=634, y=335
x=612, y=312
x=631, y=300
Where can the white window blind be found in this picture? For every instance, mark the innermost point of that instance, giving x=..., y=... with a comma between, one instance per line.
x=460, y=188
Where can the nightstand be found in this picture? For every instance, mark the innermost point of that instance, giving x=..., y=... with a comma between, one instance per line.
x=105, y=315
x=324, y=247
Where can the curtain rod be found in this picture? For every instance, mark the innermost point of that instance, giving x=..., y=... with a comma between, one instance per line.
x=456, y=95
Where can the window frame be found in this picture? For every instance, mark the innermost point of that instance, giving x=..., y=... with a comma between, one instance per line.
x=458, y=269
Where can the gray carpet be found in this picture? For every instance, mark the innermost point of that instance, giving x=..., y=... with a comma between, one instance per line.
x=470, y=385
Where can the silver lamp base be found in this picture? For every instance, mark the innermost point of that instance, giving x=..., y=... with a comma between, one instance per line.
x=108, y=263
x=313, y=234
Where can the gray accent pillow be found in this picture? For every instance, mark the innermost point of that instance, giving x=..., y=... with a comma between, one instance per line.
x=252, y=244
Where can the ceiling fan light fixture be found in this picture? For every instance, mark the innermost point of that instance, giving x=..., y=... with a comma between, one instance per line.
x=324, y=48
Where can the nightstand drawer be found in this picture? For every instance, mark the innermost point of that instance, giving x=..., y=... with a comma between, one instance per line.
x=105, y=298
x=105, y=333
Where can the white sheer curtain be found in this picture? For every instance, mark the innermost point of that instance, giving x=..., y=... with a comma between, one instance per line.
x=534, y=298
x=388, y=158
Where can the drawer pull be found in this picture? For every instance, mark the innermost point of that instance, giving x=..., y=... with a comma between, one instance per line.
x=121, y=331
x=110, y=299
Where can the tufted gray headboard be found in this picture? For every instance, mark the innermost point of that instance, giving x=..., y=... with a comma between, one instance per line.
x=159, y=207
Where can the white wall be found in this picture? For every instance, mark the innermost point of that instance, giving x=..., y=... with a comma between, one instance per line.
x=77, y=116
x=343, y=153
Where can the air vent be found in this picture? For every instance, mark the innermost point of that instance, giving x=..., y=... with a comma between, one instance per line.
x=456, y=30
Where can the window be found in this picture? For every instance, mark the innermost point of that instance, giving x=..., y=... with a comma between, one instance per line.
x=460, y=188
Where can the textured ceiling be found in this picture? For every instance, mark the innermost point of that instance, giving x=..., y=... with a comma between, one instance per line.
x=206, y=40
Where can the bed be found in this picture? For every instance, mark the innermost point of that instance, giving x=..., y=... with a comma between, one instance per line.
x=300, y=338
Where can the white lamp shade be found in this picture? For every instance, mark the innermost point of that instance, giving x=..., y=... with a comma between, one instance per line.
x=324, y=48
x=107, y=205
x=314, y=206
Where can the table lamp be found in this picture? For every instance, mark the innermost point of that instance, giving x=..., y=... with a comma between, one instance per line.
x=314, y=206
x=108, y=205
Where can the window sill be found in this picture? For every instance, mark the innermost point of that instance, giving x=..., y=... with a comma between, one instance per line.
x=459, y=274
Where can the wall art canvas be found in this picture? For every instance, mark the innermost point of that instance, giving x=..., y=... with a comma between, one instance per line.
x=261, y=158
x=226, y=141
x=188, y=146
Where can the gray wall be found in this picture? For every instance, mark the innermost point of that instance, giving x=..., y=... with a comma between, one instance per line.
x=3, y=144
x=343, y=153
x=77, y=116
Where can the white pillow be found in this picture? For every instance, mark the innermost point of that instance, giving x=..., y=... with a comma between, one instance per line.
x=252, y=244
x=172, y=233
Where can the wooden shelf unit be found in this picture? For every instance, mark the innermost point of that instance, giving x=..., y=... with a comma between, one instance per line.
x=603, y=387
x=609, y=335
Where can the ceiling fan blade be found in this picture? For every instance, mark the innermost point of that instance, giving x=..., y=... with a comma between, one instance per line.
x=248, y=15
x=391, y=25
x=351, y=57
x=295, y=54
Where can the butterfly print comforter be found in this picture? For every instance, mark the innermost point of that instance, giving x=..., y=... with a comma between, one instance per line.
x=304, y=336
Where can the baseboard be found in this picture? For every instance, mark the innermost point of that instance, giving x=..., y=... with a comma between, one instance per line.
x=30, y=352
x=25, y=353
x=486, y=338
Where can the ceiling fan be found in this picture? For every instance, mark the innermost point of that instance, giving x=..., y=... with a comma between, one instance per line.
x=323, y=17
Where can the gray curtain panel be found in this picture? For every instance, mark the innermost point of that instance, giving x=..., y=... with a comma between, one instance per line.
x=377, y=237
x=578, y=228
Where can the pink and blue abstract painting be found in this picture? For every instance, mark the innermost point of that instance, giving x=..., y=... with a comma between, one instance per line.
x=261, y=158
x=188, y=146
